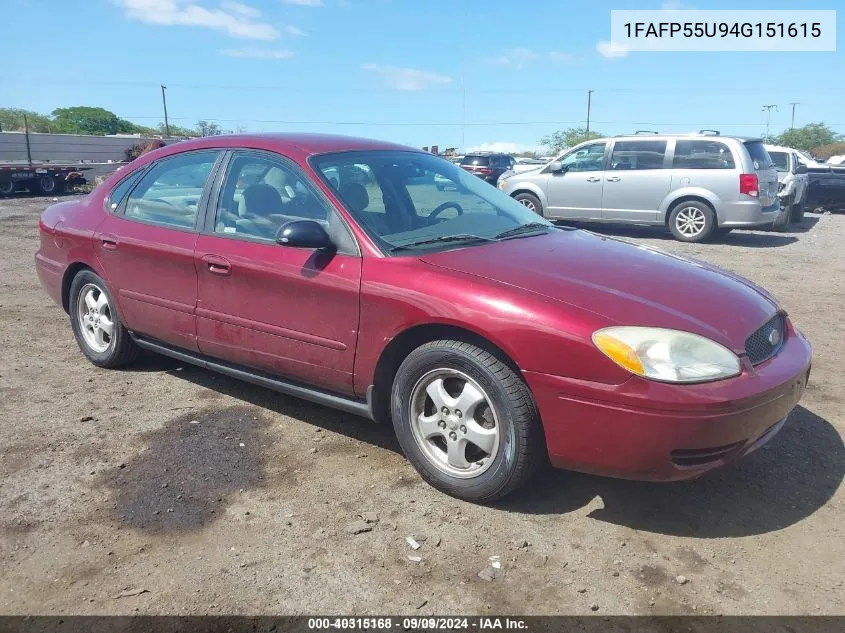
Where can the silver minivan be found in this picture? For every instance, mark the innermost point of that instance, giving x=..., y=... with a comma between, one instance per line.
x=696, y=184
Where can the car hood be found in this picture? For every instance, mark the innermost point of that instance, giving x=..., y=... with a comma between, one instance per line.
x=621, y=282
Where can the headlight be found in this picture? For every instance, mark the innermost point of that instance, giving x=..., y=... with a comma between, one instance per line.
x=667, y=355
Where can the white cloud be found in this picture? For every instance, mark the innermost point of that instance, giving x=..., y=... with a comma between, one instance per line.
x=234, y=18
x=521, y=57
x=241, y=9
x=294, y=30
x=257, y=53
x=407, y=78
x=504, y=147
x=612, y=50
x=304, y=3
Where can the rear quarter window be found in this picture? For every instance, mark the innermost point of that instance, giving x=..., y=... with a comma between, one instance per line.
x=121, y=189
x=701, y=154
x=758, y=154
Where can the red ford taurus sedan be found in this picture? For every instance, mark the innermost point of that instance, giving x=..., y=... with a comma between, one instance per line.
x=336, y=270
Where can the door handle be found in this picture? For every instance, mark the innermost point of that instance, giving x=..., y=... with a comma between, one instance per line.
x=217, y=265
x=613, y=179
x=108, y=242
x=593, y=179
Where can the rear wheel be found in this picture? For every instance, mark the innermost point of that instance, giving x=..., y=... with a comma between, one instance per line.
x=96, y=325
x=530, y=201
x=692, y=221
x=466, y=421
x=7, y=187
x=47, y=185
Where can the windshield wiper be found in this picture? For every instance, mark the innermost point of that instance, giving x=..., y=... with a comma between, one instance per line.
x=531, y=227
x=460, y=237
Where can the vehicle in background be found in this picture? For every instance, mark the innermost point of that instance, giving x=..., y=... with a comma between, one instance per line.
x=696, y=184
x=826, y=186
x=793, y=183
x=836, y=160
x=40, y=179
x=487, y=165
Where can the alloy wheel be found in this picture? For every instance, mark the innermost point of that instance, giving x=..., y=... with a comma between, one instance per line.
x=95, y=318
x=454, y=423
x=690, y=221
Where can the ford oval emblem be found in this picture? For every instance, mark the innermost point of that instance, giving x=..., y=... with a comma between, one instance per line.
x=774, y=337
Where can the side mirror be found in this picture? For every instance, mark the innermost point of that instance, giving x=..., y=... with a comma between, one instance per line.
x=556, y=167
x=303, y=234
x=801, y=169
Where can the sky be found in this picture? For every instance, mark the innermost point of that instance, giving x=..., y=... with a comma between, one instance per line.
x=489, y=74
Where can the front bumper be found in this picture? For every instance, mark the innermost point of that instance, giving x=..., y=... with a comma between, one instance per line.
x=654, y=431
x=747, y=214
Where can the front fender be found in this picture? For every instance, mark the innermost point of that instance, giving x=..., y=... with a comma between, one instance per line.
x=531, y=187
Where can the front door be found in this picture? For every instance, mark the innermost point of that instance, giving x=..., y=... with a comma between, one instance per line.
x=146, y=246
x=576, y=192
x=636, y=181
x=289, y=311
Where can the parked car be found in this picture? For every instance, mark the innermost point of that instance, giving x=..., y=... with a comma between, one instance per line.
x=489, y=336
x=836, y=160
x=793, y=184
x=487, y=165
x=696, y=184
x=826, y=187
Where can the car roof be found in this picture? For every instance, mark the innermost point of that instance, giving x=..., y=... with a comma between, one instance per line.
x=307, y=143
x=687, y=135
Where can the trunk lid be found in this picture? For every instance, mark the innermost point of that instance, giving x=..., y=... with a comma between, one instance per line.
x=767, y=175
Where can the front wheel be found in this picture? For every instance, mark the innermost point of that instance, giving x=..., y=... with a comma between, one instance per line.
x=96, y=325
x=7, y=187
x=466, y=421
x=47, y=185
x=798, y=211
x=692, y=222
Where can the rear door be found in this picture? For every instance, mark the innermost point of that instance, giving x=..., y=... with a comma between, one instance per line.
x=146, y=246
x=767, y=175
x=636, y=181
x=576, y=192
x=289, y=311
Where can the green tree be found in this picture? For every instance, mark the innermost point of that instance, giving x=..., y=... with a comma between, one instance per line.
x=176, y=130
x=826, y=151
x=208, y=128
x=91, y=120
x=11, y=120
x=808, y=137
x=560, y=140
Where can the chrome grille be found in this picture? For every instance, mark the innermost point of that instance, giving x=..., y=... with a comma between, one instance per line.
x=767, y=341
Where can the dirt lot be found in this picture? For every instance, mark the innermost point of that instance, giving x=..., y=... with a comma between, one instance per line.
x=215, y=496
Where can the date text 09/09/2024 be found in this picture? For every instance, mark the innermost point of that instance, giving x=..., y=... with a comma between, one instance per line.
x=417, y=623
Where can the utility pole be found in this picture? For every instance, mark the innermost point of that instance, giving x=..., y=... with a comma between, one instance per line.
x=589, y=104
x=164, y=103
x=26, y=134
x=793, y=104
x=768, y=109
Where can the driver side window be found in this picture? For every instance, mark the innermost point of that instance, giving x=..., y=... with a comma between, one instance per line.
x=588, y=158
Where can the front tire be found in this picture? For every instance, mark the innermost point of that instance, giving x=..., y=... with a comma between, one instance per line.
x=7, y=188
x=96, y=325
x=692, y=221
x=798, y=211
x=530, y=202
x=466, y=421
x=782, y=221
x=47, y=185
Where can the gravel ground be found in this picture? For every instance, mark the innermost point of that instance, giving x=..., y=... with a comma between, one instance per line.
x=168, y=489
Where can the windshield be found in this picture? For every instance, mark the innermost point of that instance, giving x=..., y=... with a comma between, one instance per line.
x=781, y=161
x=403, y=199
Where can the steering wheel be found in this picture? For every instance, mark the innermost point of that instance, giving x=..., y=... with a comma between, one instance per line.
x=446, y=205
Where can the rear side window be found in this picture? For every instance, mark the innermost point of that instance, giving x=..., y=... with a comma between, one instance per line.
x=759, y=155
x=119, y=192
x=781, y=160
x=170, y=192
x=481, y=161
x=702, y=155
x=638, y=155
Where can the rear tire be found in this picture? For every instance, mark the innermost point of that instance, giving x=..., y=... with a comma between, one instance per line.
x=96, y=325
x=692, y=221
x=531, y=202
x=46, y=185
x=479, y=454
x=7, y=188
